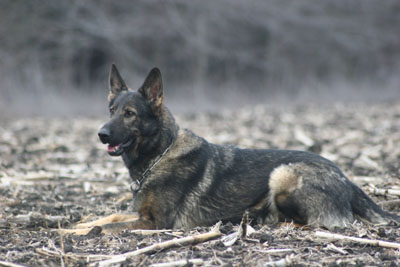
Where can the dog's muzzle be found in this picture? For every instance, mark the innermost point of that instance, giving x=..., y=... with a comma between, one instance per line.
x=114, y=149
x=104, y=135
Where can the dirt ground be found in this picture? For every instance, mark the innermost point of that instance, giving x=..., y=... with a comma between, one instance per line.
x=55, y=173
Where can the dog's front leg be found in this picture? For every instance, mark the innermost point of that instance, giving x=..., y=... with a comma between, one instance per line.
x=107, y=220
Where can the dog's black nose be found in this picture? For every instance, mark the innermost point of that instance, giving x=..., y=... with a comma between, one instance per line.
x=104, y=135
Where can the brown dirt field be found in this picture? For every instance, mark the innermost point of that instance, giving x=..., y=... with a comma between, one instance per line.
x=56, y=171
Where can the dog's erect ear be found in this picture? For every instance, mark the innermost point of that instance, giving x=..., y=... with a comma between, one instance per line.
x=152, y=90
x=117, y=84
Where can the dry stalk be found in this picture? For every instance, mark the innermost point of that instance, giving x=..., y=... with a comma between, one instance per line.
x=150, y=232
x=184, y=241
x=179, y=263
x=373, y=242
x=276, y=251
x=50, y=253
x=47, y=252
x=9, y=264
x=383, y=192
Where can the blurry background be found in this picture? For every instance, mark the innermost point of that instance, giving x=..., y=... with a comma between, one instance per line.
x=55, y=55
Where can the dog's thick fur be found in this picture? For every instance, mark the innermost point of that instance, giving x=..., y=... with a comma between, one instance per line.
x=197, y=183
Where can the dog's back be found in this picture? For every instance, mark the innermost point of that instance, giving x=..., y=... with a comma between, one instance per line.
x=212, y=182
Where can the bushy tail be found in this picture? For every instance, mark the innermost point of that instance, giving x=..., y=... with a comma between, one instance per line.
x=367, y=210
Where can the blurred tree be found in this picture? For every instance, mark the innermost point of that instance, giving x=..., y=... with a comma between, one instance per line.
x=257, y=45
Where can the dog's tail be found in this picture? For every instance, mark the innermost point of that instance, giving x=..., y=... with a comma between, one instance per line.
x=367, y=210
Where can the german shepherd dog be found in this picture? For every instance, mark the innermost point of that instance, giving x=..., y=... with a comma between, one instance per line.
x=182, y=181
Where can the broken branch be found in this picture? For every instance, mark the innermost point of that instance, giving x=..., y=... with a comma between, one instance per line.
x=373, y=242
x=184, y=241
x=9, y=264
x=277, y=250
x=383, y=192
x=50, y=253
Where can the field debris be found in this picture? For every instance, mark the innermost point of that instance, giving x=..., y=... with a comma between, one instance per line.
x=374, y=242
x=184, y=241
x=383, y=192
x=55, y=174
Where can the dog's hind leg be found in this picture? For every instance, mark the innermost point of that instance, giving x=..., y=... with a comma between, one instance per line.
x=316, y=211
x=311, y=195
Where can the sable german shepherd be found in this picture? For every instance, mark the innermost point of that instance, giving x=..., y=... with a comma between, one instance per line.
x=182, y=181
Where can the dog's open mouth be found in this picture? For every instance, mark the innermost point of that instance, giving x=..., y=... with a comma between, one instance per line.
x=119, y=149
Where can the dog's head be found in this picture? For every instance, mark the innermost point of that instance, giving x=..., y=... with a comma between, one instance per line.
x=134, y=115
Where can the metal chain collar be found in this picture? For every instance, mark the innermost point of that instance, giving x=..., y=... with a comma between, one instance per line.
x=135, y=185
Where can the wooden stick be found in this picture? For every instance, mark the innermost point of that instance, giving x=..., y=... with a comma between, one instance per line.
x=50, y=253
x=85, y=231
x=179, y=263
x=243, y=225
x=383, y=192
x=184, y=241
x=107, y=260
x=47, y=252
x=373, y=242
x=276, y=250
x=9, y=264
x=150, y=232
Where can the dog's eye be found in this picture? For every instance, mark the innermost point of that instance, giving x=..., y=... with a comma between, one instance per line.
x=112, y=110
x=129, y=113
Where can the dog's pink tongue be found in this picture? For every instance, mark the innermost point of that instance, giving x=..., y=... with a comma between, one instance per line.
x=112, y=148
